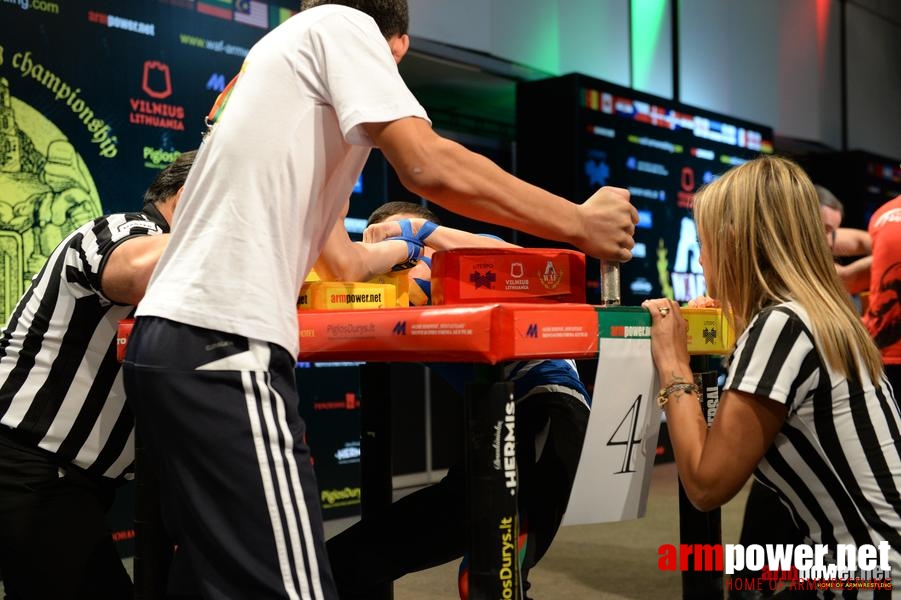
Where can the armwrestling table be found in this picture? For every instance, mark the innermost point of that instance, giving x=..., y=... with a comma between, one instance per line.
x=486, y=334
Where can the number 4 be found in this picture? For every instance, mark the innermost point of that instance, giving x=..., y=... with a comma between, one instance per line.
x=628, y=425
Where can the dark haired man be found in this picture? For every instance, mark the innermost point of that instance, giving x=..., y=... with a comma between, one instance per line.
x=66, y=434
x=845, y=242
x=211, y=359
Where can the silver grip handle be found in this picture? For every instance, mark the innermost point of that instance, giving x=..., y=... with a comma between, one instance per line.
x=610, y=283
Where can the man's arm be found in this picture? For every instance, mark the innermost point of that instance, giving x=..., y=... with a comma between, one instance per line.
x=343, y=260
x=856, y=276
x=852, y=242
x=472, y=185
x=129, y=266
x=442, y=238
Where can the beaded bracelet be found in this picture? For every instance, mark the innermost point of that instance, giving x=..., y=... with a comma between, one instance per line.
x=664, y=393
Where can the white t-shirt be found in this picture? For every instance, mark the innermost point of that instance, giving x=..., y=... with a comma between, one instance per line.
x=272, y=177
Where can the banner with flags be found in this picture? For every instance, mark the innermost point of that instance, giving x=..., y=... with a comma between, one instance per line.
x=216, y=8
x=278, y=15
x=252, y=12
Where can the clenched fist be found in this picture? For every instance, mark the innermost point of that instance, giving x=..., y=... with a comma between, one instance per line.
x=608, y=224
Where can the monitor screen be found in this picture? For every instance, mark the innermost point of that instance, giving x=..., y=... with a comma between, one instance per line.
x=659, y=150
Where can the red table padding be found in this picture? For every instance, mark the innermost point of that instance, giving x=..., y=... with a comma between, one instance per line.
x=485, y=333
x=481, y=275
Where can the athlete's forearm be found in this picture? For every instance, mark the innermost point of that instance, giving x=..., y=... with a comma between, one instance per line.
x=361, y=262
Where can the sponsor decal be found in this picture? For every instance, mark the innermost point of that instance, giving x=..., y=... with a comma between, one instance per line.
x=551, y=277
x=649, y=193
x=38, y=5
x=346, y=496
x=596, y=168
x=557, y=331
x=630, y=331
x=485, y=280
x=687, y=276
x=349, y=454
x=156, y=82
x=509, y=461
x=157, y=158
x=163, y=82
x=123, y=535
x=433, y=329
x=505, y=573
x=350, y=330
x=646, y=166
x=116, y=22
x=220, y=46
x=355, y=298
x=685, y=197
x=704, y=153
x=216, y=82
x=350, y=399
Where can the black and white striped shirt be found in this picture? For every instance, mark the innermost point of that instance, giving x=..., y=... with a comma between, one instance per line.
x=837, y=459
x=60, y=384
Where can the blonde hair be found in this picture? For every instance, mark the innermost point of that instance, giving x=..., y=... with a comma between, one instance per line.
x=761, y=228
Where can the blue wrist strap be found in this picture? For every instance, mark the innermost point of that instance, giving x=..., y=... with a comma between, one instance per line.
x=426, y=230
x=414, y=242
x=406, y=228
x=414, y=252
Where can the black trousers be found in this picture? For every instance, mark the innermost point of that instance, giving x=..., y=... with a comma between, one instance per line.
x=428, y=527
x=54, y=539
x=217, y=415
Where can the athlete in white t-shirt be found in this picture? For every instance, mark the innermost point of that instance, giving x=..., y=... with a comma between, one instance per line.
x=210, y=363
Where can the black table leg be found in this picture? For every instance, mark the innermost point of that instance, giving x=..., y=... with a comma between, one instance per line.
x=375, y=448
x=701, y=530
x=491, y=488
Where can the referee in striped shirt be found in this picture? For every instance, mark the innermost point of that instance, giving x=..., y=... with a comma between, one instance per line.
x=806, y=406
x=66, y=434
